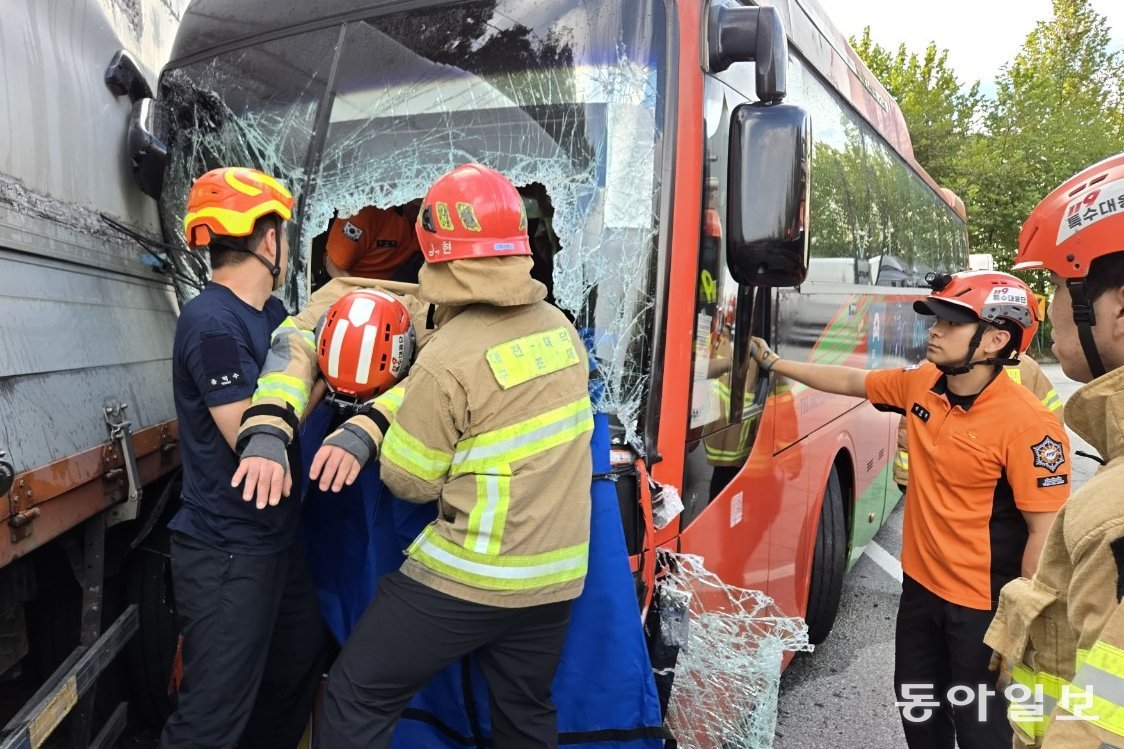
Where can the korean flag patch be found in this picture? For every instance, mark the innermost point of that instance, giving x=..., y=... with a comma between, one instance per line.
x=352, y=232
x=1048, y=454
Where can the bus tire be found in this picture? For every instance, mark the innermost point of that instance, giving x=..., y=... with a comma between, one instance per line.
x=152, y=651
x=829, y=562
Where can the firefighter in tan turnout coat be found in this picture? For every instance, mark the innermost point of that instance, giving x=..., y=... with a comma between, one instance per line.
x=285, y=390
x=493, y=422
x=1060, y=636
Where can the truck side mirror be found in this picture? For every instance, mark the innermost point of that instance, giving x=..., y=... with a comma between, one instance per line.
x=770, y=171
x=739, y=33
x=147, y=145
x=123, y=76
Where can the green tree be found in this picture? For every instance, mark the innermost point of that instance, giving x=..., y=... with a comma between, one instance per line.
x=938, y=110
x=1058, y=108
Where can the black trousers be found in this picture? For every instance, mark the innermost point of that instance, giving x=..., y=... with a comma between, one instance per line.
x=410, y=632
x=938, y=649
x=253, y=648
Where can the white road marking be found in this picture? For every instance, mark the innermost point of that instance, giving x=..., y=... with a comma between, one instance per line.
x=885, y=560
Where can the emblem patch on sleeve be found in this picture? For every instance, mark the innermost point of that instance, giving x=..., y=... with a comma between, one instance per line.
x=352, y=232
x=1048, y=454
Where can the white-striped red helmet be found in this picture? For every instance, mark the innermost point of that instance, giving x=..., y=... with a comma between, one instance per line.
x=365, y=343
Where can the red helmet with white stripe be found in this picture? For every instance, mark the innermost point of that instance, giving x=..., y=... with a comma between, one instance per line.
x=365, y=343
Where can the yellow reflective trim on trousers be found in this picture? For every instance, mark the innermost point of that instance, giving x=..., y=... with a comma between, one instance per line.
x=407, y=452
x=498, y=572
x=1082, y=656
x=489, y=516
x=723, y=456
x=524, y=359
x=508, y=445
x=292, y=390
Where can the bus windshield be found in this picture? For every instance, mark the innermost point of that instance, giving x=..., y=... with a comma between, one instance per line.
x=566, y=99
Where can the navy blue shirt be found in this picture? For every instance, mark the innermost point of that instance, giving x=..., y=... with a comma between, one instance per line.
x=221, y=344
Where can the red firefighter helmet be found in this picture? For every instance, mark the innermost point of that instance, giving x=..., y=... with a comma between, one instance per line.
x=365, y=343
x=1077, y=223
x=472, y=212
x=229, y=201
x=982, y=295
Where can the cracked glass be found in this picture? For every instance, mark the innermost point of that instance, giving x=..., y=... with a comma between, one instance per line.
x=565, y=98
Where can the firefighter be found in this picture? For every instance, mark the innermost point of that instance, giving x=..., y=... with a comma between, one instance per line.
x=989, y=471
x=286, y=390
x=375, y=243
x=494, y=425
x=1060, y=634
x=1027, y=373
x=252, y=633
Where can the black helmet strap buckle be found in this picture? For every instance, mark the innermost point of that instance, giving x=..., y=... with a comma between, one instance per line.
x=1085, y=319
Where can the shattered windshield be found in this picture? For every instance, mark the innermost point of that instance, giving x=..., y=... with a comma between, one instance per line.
x=565, y=98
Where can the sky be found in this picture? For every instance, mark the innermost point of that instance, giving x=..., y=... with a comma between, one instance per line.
x=980, y=35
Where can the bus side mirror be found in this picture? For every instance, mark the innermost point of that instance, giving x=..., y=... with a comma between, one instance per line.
x=147, y=145
x=770, y=171
x=739, y=33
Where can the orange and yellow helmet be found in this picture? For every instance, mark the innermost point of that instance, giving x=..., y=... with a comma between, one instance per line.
x=229, y=201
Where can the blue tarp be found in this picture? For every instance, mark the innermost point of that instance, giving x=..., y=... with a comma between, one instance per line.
x=604, y=689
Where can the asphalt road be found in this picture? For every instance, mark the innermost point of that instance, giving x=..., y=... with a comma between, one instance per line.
x=841, y=696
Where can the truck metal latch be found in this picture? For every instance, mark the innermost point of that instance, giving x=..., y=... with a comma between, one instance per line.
x=121, y=439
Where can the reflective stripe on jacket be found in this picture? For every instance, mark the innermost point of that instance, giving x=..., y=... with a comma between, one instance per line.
x=1062, y=633
x=495, y=425
x=290, y=369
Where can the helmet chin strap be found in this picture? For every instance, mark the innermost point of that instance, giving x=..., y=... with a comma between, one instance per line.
x=1085, y=319
x=974, y=344
x=274, y=268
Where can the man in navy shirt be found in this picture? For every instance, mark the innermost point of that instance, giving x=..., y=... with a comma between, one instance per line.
x=246, y=604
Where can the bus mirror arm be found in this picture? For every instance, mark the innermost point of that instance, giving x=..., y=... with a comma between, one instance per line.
x=737, y=33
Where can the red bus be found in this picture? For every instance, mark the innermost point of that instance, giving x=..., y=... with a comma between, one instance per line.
x=695, y=173
x=654, y=143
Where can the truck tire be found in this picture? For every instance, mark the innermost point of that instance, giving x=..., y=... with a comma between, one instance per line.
x=153, y=649
x=829, y=562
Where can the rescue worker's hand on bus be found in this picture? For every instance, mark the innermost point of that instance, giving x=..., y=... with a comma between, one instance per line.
x=335, y=467
x=266, y=480
x=762, y=354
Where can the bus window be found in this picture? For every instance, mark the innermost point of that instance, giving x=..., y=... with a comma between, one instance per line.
x=726, y=388
x=238, y=108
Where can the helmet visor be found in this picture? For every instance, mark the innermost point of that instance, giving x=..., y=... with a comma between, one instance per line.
x=944, y=310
